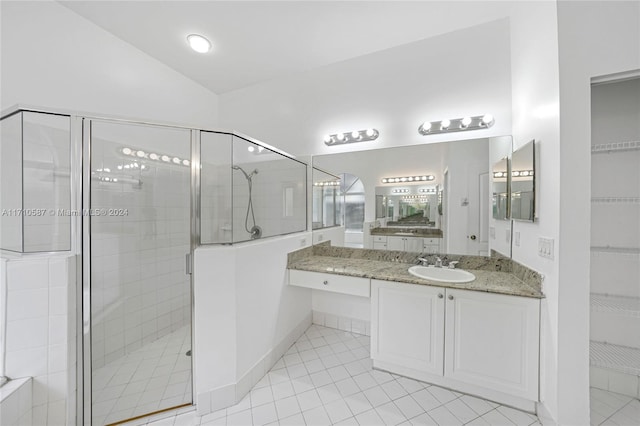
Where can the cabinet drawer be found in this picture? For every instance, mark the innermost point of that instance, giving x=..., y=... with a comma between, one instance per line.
x=329, y=282
x=379, y=238
x=432, y=241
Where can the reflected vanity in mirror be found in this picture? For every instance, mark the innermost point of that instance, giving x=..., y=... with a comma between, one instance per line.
x=448, y=214
x=523, y=183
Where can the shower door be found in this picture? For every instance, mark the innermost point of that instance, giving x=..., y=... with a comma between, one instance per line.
x=138, y=323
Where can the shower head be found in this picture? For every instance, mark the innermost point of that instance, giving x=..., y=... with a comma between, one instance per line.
x=248, y=176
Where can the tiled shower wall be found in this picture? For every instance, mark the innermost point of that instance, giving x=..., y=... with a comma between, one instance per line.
x=140, y=289
x=41, y=331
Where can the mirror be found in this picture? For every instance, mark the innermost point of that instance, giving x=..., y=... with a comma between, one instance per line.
x=523, y=183
x=500, y=189
x=452, y=212
x=325, y=193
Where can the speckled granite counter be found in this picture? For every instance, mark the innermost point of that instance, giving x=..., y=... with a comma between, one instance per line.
x=493, y=275
x=415, y=232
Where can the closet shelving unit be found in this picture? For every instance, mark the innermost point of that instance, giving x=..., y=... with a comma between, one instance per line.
x=615, y=237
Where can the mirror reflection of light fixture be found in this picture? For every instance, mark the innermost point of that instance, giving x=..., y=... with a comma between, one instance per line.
x=142, y=155
x=400, y=191
x=456, y=124
x=520, y=173
x=421, y=178
x=427, y=190
x=327, y=183
x=351, y=137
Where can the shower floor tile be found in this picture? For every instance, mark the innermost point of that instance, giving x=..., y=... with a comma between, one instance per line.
x=152, y=378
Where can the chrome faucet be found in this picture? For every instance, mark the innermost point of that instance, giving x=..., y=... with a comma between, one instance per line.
x=438, y=262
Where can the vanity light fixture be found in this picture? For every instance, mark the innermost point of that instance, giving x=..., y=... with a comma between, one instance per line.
x=400, y=191
x=421, y=178
x=142, y=155
x=521, y=173
x=427, y=190
x=199, y=43
x=327, y=183
x=351, y=137
x=499, y=174
x=415, y=198
x=456, y=124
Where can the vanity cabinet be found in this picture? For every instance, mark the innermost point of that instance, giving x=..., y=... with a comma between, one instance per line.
x=410, y=244
x=379, y=242
x=407, y=325
x=482, y=343
x=431, y=245
x=355, y=286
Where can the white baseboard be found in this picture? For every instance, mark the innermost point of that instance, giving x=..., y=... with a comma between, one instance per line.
x=544, y=416
x=352, y=325
x=231, y=394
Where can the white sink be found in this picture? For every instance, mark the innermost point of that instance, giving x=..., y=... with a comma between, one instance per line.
x=442, y=274
x=404, y=233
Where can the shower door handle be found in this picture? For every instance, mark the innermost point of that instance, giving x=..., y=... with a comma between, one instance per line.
x=189, y=264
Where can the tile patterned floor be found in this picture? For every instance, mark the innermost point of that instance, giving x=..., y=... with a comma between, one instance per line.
x=151, y=378
x=326, y=378
x=608, y=408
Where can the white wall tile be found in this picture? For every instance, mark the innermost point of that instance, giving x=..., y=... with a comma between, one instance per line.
x=27, y=333
x=27, y=304
x=28, y=274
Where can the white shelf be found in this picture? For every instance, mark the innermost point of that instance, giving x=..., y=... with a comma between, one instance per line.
x=619, y=250
x=616, y=147
x=626, y=306
x=615, y=357
x=615, y=200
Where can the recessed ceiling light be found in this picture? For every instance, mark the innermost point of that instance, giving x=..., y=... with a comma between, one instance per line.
x=199, y=43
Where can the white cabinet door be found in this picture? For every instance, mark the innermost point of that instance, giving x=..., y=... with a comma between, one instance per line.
x=407, y=325
x=492, y=341
x=395, y=243
x=413, y=244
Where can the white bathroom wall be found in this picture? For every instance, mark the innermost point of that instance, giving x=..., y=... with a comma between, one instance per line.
x=246, y=315
x=394, y=90
x=535, y=93
x=41, y=331
x=52, y=57
x=584, y=53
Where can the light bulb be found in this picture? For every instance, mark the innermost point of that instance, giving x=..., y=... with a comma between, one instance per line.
x=185, y=162
x=199, y=43
x=340, y=136
x=140, y=154
x=126, y=151
x=431, y=177
x=176, y=160
x=327, y=138
x=355, y=134
x=404, y=179
x=410, y=178
x=115, y=179
x=397, y=179
x=153, y=156
x=370, y=132
x=465, y=121
x=426, y=126
x=445, y=123
x=487, y=119
x=423, y=178
x=143, y=167
x=165, y=158
x=384, y=180
x=119, y=167
x=250, y=149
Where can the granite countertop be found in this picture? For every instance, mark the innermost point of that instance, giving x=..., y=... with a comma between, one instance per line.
x=350, y=262
x=404, y=232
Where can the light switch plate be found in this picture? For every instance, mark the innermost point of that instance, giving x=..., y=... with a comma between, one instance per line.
x=545, y=247
x=516, y=238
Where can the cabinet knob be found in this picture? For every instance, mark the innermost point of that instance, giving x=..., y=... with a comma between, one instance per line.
x=451, y=297
x=325, y=282
x=440, y=295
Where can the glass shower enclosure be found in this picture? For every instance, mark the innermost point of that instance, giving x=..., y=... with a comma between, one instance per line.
x=146, y=196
